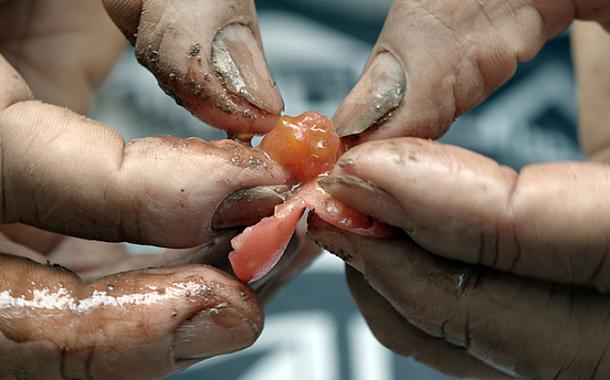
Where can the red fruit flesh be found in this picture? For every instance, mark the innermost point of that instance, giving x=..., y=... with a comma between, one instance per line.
x=259, y=247
x=307, y=146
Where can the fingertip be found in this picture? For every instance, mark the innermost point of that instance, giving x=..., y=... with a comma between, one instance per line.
x=378, y=94
x=227, y=112
x=126, y=15
x=215, y=331
x=237, y=56
x=231, y=323
x=14, y=88
x=209, y=59
x=247, y=206
x=365, y=197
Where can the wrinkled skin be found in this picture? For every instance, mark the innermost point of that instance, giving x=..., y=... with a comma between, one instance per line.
x=470, y=321
x=176, y=43
x=499, y=274
x=42, y=187
x=64, y=173
x=435, y=60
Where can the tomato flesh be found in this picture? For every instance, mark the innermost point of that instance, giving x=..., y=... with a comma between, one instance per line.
x=306, y=145
x=259, y=247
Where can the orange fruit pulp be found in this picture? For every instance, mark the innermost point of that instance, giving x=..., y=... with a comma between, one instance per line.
x=306, y=145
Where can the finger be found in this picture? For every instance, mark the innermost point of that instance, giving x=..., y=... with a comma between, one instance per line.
x=435, y=60
x=394, y=332
x=591, y=54
x=92, y=260
x=299, y=254
x=83, y=256
x=65, y=173
x=142, y=324
x=7, y=245
x=34, y=238
x=64, y=49
x=96, y=259
x=245, y=207
x=43, y=246
x=522, y=327
x=207, y=55
x=214, y=253
x=549, y=222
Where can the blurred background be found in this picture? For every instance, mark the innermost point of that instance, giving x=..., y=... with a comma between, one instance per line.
x=316, y=50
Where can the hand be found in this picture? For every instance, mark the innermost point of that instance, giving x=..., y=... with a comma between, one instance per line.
x=496, y=267
x=64, y=173
x=436, y=59
x=208, y=56
x=497, y=270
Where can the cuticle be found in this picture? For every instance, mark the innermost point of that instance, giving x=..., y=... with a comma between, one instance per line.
x=378, y=124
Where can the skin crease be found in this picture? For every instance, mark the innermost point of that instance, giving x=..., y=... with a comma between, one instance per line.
x=67, y=127
x=119, y=175
x=16, y=94
x=487, y=214
x=160, y=190
x=524, y=328
x=407, y=340
x=456, y=53
x=108, y=342
x=493, y=262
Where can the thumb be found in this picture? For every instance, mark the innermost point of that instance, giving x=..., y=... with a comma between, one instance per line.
x=64, y=173
x=142, y=324
x=435, y=60
x=207, y=55
x=549, y=221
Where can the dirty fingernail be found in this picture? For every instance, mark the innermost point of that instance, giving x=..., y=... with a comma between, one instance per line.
x=378, y=92
x=214, y=331
x=365, y=197
x=247, y=206
x=238, y=58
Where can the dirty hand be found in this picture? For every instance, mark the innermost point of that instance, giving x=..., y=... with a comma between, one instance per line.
x=498, y=273
x=64, y=173
x=436, y=59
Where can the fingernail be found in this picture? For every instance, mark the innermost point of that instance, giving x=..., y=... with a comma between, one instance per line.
x=239, y=59
x=214, y=331
x=365, y=197
x=247, y=206
x=379, y=91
